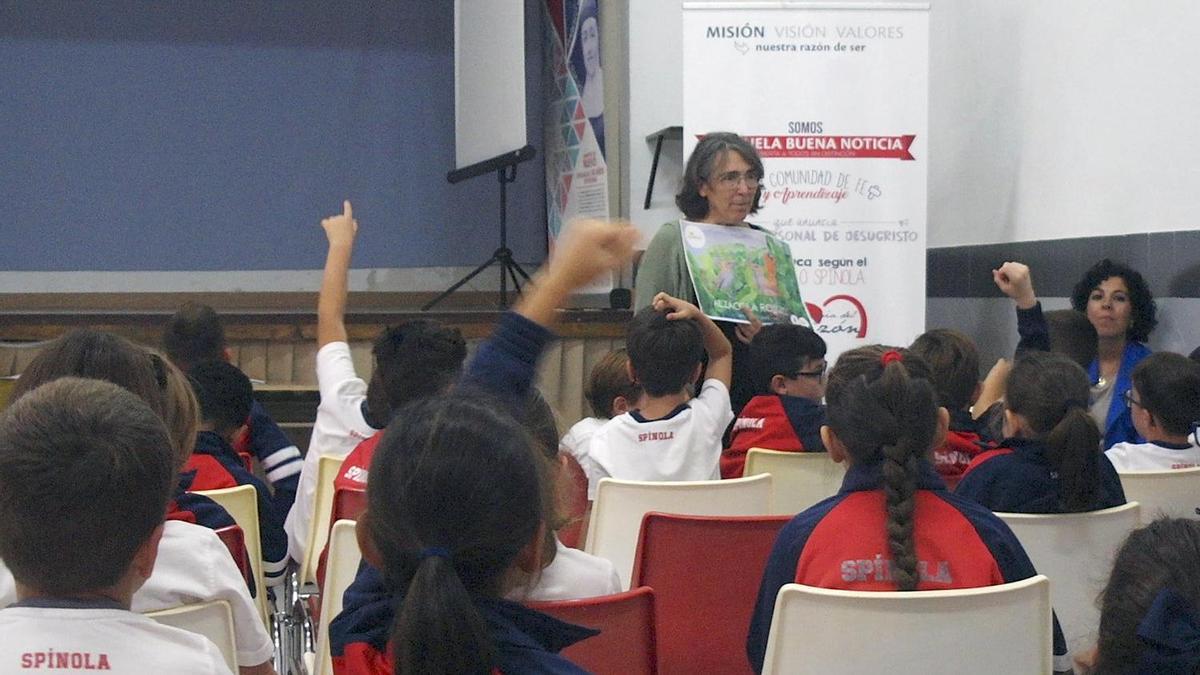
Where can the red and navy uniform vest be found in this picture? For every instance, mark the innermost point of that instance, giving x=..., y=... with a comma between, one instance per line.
x=353, y=473
x=841, y=543
x=773, y=422
x=217, y=465
x=965, y=440
x=277, y=455
x=527, y=641
x=1018, y=478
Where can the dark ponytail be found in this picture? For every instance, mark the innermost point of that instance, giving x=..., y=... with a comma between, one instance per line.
x=455, y=495
x=1051, y=393
x=884, y=410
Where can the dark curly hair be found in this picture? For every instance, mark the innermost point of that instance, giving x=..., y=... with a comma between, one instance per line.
x=703, y=162
x=1143, y=319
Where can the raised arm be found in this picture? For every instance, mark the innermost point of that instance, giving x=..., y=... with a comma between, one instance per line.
x=1013, y=279
x=720, y=352
x=331, y=302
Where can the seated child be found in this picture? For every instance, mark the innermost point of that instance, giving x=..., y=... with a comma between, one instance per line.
x=670, y=437
x=350, y=410
x=567, y=573
x=1165, y=404
x=1050, y=461
x=1150, y=610
x=786, y=412
x=893, y=526
x=85, y=473
x=953, y=364
x=610, y=392
x=456, y=509
x=195, y=334
x=226, y=396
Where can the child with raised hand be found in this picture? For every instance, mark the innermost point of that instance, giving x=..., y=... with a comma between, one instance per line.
x=195, y=334
x=1164, y=402
x=86, y=469
x=1050, y=461
x=671, y=436
x=455, y=517
x=892, y=526
x=1150, y=609
x=786, y=412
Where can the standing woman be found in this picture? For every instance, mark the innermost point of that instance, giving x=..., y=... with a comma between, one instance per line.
x=721, y=186
x=1118, y=303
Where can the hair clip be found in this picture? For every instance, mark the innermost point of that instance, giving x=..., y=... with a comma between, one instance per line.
x=890, y=356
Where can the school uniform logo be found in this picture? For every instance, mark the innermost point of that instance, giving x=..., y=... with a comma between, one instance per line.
x=52, y=660
x=880, y=569
x=655, y=436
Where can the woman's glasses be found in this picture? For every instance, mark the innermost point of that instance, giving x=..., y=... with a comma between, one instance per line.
x=731, y=179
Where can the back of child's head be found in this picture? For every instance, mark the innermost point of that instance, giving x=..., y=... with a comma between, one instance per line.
x=783, y=349
x=455, y=495
x=194, y=334
x=224, y=393
x=1051, y=393
x=1072, y=335
x=1168, y=385
x=1163, y=556
x=883, y=409
x=85, y=472
x=663, y=353
x=415, y=359
x=181, y=410
x=101, y=356
x=953, y=364
x=610, y=379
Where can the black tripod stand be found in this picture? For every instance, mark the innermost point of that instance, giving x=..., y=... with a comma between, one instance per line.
x=509, y=268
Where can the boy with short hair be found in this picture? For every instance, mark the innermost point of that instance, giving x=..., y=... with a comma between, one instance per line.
x=786, y=412
x=1164, y=402
x=954, y=373
x=85, y=474
x=610, y=392
x=195, y=334
x=225, y=396
x=671, y=436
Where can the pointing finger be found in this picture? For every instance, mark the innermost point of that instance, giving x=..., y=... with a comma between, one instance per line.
x=346, y=210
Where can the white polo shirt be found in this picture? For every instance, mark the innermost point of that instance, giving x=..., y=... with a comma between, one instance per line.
x=339, y=427
x=572, y=575
x=685, y=445
x=1153, y=456
x=577, y=438
x=53, y=639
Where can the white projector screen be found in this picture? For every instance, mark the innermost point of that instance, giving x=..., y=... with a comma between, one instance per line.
x=489, y=79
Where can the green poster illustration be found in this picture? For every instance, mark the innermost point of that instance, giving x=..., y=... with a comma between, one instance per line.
x=735, y=267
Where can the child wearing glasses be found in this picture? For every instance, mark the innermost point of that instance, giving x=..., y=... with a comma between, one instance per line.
x=1164, y=402
x=786, y=412
x=954, y=373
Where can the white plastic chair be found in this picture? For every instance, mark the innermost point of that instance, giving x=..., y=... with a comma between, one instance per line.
x=1075, y=550
x=340, y=569
x=213, y=620
x=995, y=629
x=318, y=533
x=1175, y=493
x=801, y=479
x=620, y=504
x=242, y=503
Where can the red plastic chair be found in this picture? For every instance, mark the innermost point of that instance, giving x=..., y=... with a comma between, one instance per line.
x=348, y=504
x=705, y=572
x=572, y=501
x=626, y=643
x=235, y=540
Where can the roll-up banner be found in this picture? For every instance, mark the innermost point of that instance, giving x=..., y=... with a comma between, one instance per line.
x=835, y=98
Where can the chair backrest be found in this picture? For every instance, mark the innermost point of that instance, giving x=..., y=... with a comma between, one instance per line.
x=348, y=504
x=235, y=540
x=620, y=505
x=705, y=572
x=572, y=501
x=801, y=478
x=318, y=529
x=213, y=620
x=627, y=624
x=1175, y=493
x=344, y=557
x=242, y=503
x=1075, y=551
x=995, y=629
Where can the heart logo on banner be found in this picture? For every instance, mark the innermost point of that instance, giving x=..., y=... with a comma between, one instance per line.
x=850, y=321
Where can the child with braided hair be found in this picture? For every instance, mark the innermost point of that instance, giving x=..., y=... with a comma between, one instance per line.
x=893, y=525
